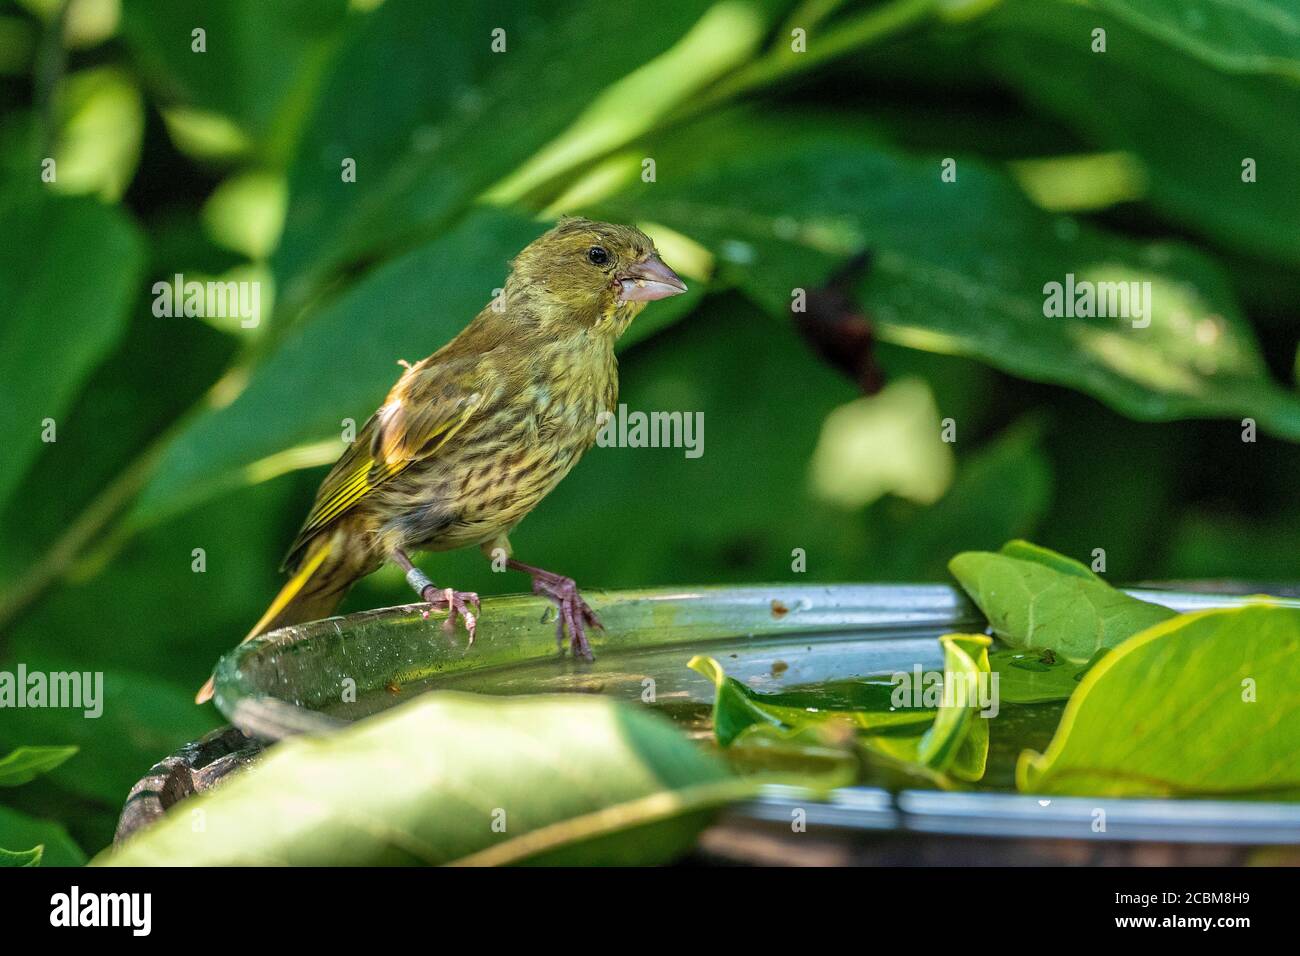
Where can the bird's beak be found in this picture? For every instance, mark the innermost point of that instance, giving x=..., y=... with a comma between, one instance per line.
x=648, y=280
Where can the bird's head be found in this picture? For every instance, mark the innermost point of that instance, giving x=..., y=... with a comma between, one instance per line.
x=587, y=273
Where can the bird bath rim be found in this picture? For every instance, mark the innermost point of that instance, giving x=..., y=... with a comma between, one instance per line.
x=262, y=687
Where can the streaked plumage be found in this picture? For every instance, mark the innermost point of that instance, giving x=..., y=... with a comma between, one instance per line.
x=471, y=439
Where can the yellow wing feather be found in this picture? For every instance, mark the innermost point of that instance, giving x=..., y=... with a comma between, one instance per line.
x=412, y=425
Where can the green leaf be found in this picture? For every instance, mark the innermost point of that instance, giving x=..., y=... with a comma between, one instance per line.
x=435, y=781
x=1028, y=551
x=246, y=213
x=847, y=468
x=1156, y=93
x=736, y=707
x=961, y=267
x=430, y=137
x=58, y=849
x=260, y=69
x=958, y=741
x=1254, y=36
x=101, y=126
x=68, y=269
x=30, y=857
x=1032, y=604
x=26, y=763
x=1035, y=677
x=954, y=742
x=1206, y=704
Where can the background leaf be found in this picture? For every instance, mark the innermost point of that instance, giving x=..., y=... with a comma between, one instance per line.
x=260, y=68
x=959, y=267
x=67, y=273
x=431, y=137
x=30, y=857
x=19, y=829
x=1260, y=36
x=1190, y=125
x=26, y=763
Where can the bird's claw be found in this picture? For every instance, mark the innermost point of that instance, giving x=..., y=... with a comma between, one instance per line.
x=456, y=604
x=573, y=614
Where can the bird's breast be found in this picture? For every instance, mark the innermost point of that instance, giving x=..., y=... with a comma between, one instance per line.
x=499, y=469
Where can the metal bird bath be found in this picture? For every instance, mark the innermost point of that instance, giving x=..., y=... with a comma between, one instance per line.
x=317, y=677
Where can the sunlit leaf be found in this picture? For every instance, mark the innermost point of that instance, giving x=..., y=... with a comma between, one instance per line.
x=848, y=469
x=1204, y=704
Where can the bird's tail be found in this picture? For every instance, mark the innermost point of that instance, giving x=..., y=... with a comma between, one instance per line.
x=312, y=593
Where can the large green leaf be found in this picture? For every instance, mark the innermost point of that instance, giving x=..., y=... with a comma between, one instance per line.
x=426, y=139
x=125, y=402
x=1027, y=676
x=1254, y=36
x=260, y=69
x=26, y=763
x=68, y=269
x=1034, y=604
x=957, y=267
x=1154, y=94
x=20, y=830
x=457, y=778
x=1205, y=704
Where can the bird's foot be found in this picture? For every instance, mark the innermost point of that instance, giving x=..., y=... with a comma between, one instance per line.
x=456, y=604
x=573, y=615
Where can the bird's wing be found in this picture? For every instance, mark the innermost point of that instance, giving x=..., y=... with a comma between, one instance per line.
x=423, y=412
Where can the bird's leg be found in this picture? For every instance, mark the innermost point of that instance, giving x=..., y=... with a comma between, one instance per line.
x=455, y=603
x=573, y=615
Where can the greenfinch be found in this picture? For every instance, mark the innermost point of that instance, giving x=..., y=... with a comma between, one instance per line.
x=473, y=437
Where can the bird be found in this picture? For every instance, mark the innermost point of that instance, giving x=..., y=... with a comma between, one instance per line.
x=472, y=438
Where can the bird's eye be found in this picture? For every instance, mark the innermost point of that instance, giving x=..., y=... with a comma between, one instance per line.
x=597, y=256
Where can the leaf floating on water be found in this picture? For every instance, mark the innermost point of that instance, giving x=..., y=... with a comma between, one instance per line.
x=1028, y=551
x=954, y=740
x=1207, y=704
x=1039, y=599
x=1031, y=677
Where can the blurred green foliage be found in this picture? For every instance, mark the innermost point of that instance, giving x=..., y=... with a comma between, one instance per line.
x=771, y=169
